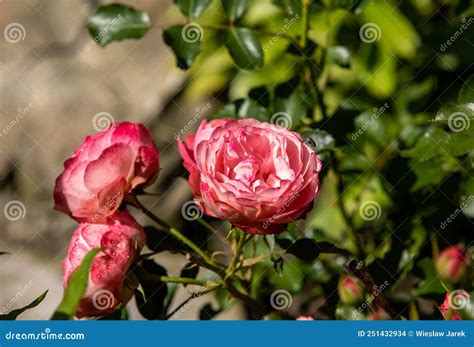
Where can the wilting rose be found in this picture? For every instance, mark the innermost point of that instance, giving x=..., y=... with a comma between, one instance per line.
x=104, y=169
x=257, y=175
x=350, y=290
x=121, y=237
x=451, y=263
x=453, y=303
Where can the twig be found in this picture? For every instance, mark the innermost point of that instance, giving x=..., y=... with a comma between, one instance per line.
x=188, y=300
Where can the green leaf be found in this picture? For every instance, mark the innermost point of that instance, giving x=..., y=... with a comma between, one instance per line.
x=291, y=278
x=289, y=105
x=185, y=41
x=290, y=7
x=460, y=143
x=305, y=249
x=245, y=48
x=320, y=140
x=430, y=284
x=244, y=108
x=150, y=301
x=76, y=288
x=432, y=171
x=386, y=24
x=192, y=8
x=458, y=117
x=466, y=94
x=15, y=313
x=190, y=270
x=339, y=55
x=118, y=22
x=429, y=145
x=234, y=8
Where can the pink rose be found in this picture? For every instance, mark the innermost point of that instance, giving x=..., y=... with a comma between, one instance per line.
x=451, y=264
x=104, y=169
x=121, y=237
x=257, y=175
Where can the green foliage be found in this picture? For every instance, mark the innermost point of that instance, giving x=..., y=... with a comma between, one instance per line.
x=76, y=288
x=152, y=295
x=118, y=22
x=12, y=315
x=185, y=49
x=245, y=48
x=192, y=8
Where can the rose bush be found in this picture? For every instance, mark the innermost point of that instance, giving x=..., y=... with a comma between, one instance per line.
x=121, y=237
x=257, y=175
x=104, y=169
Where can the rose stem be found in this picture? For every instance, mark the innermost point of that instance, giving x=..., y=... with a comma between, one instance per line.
x=203, y=260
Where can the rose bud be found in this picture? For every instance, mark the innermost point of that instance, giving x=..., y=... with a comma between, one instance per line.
x=104, y=169
x=453, y=303
x=256, y=175
x=350, y=290
x=121, y=237
x=451, y=264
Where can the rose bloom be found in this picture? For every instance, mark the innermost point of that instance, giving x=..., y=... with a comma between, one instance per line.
x=122, y=237
x=452, y=302
x=451, y=263
x=104, y=169
x=257, y=175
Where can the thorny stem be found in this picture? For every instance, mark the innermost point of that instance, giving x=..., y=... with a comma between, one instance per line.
x=175, y=232
x=182, y=280
x=237, y=252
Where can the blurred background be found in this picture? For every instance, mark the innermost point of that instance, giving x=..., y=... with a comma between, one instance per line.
x=59, y=80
